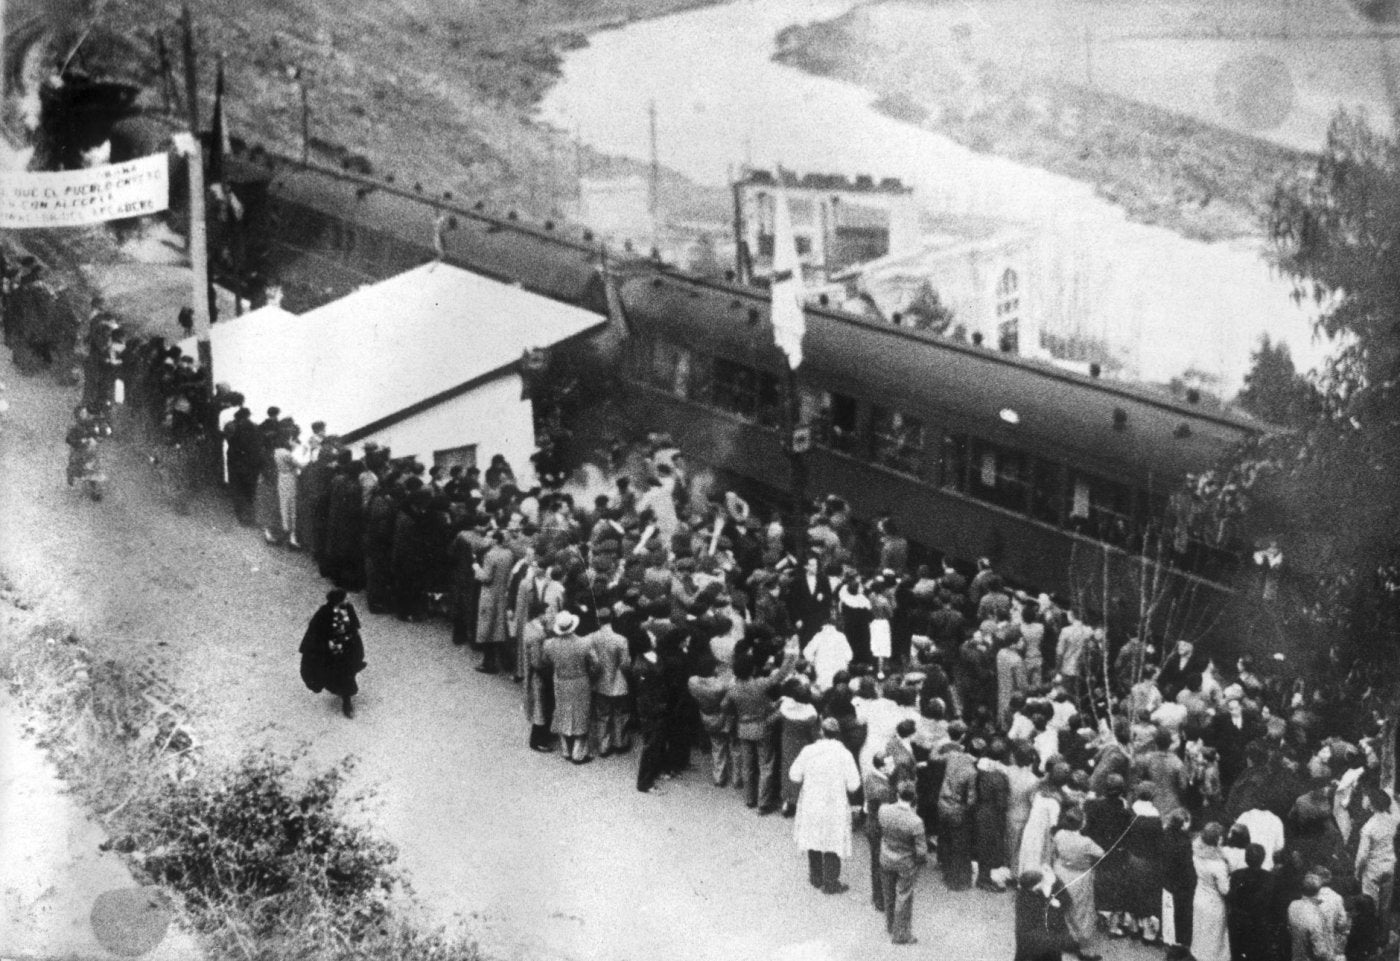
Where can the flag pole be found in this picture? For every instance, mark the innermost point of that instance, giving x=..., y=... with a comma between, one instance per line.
x=789, y=328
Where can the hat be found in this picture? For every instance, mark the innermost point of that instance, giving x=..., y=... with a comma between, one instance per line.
x=565, y=623
x=831, y=726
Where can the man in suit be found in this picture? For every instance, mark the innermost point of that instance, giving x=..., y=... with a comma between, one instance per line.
x=809, y=600
x=1184, y=662
x=956, y=798
x=879, y=791
x=903, y=851
x=1308, y=928
x=611, y=719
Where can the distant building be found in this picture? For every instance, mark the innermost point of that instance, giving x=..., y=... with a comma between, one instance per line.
x=969, y=279
x=837, y=221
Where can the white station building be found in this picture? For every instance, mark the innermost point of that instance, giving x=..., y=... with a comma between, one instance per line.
x=426, y=363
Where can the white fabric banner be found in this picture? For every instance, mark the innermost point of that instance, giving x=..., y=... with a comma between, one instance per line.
x=789, y=323
x=77, y=198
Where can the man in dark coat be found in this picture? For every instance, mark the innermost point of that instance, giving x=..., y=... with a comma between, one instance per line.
x=344, y=556
x=409, y=559
x=378, y=542
x=246, y=456
x=1250, y=910
x=809, y=600
x=1041, y=932
x=332, y=651
x=1106, y=824
x=1183, y=662
x=957, y=797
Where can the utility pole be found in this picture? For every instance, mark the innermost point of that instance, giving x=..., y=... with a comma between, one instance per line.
x=305, y=119
x=655, y=196
x=1088, y=56
x=188, y=145
x=578, y=170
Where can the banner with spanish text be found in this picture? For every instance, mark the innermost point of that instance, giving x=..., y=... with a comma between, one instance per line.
x=78, y=198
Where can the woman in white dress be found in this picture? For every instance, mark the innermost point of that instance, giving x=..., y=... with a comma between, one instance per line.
x=1210, y=939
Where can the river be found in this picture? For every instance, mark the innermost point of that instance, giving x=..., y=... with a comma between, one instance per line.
x=1168, y=304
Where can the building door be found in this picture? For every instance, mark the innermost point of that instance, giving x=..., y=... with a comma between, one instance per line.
x=463, y=457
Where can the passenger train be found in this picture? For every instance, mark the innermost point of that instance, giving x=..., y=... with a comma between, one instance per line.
x=1063, y=480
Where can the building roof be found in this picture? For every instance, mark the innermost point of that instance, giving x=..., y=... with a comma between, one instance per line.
x=863, y=183
x=389, y=349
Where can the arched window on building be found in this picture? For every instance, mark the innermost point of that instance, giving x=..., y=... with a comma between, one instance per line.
x=1009, y=312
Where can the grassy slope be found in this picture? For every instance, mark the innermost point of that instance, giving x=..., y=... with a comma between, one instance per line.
x=1164, y=168
x=433, y=90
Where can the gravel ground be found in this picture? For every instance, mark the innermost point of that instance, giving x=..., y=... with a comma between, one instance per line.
x=534, y=857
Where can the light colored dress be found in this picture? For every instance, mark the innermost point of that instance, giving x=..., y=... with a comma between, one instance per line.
x=1035, y=837
x=1210, y=939
x=1073, y=858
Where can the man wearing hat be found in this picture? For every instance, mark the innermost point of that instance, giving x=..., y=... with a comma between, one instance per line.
x=828, y=777
x=571, y=659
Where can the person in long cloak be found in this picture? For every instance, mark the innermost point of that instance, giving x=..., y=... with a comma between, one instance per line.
x=332, y=651
x=493, y=606
x=344, y=527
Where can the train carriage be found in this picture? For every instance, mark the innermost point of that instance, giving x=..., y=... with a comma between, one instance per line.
x=1064, y=480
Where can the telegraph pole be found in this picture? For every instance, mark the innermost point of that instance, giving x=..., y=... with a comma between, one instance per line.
x=655, y=196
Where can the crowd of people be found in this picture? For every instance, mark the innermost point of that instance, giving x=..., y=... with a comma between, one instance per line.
x=1119, y=788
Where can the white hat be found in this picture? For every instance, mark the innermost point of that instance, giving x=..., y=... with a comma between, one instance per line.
x=565, y=623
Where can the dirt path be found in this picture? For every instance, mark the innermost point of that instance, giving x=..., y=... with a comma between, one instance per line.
x=537, y=858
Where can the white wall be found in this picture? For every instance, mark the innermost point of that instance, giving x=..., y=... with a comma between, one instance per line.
x=493, y=417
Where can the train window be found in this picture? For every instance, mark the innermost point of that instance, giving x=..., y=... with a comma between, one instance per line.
x=953, y=462
x=752, y=394
x=999, y=475
x=832, y=417
x=896, y=440
x=1045, y=491
x=1100, y=508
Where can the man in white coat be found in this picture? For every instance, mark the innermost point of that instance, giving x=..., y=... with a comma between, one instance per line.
x=828, y=776
x=829, y=653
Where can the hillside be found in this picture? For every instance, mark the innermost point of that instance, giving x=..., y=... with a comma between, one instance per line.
x=436, y=91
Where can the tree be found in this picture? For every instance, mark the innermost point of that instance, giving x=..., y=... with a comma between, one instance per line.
x=927, y=312
x=1331, y=483
x=1274, y=391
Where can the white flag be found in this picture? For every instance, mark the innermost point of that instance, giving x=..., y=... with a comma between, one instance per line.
x=789, y=324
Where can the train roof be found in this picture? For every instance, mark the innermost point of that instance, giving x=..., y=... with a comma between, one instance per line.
x=1054, y=410
x=1058, y=411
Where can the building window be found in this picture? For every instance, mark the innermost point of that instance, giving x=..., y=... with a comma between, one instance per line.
x=1008, y=312
x=896, y=440
x=832, y=417
x=463, y=457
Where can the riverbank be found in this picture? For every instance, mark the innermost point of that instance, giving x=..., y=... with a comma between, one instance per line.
x=1164, y=168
